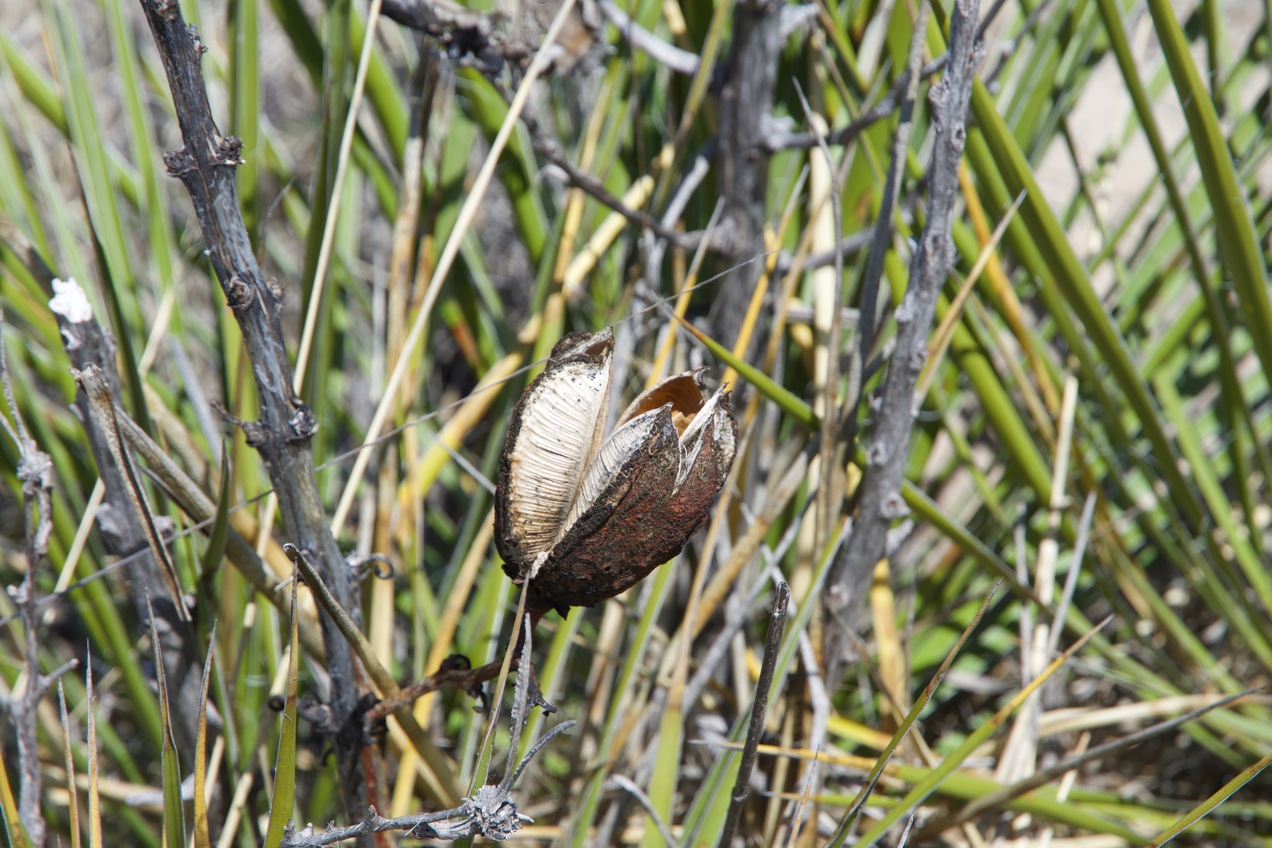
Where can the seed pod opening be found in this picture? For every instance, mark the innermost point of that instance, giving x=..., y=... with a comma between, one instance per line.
x=585, y=518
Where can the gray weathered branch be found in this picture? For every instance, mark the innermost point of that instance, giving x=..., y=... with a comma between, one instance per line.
x=746, y=102
x=35, y=470
x=888, y=443
x=206, y=166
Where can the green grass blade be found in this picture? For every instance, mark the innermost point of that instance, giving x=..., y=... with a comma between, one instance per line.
x=954, y=759
x=1239, y=250
x=173, y=805
x=283, y=799
x=798, y=409
x=1210, y=804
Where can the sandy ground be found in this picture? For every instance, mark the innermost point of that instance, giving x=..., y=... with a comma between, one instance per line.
x=1098, y=123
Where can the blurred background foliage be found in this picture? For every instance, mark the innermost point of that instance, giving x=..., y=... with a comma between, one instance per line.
x=1094, y=420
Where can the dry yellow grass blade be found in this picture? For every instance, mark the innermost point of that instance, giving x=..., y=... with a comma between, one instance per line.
x=1077, y=719
x=1019, y=756
x=601, y=240
x=337, y=191
x=402, y=725
x=771, y=244
x=1003, y=288
x=405, y=250
x=445, y=261
x=893, y=667
x=72, y=801
x=94, y=790
x=944, y=332
x=794, y=475
x=683, y=295
x=576, y=201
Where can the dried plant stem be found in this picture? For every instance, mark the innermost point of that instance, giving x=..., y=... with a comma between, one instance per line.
x=490, y=812
x=759, y=710
x=206, y=166
x=35, y=470
x=888, y=444
x=745, y=103
x=423, y=745
x=127, y=526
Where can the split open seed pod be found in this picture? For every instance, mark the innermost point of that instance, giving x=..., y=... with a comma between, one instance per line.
x=583, y=517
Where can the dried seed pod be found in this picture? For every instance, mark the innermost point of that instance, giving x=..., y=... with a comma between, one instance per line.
x=585, y=518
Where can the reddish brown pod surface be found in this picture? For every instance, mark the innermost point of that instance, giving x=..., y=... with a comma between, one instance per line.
x=583, y=517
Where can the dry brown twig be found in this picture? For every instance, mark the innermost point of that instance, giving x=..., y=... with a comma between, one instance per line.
x=128, y=527
x=490, y=812
x=35, y=470
x=281, y=436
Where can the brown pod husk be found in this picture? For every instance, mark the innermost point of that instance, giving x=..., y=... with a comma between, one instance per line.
x=555, y=429
x=642, y=521
x=634, y=499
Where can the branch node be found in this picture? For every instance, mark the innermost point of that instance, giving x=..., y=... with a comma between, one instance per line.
x=904, y=313
x=837, y=599
x=276, y=290
x=496, y=814
x=254, y=433
x=936, y=98
x=893, y=507
x=303, y=424
x=199, y=47
x=34, y=465
x=230, y=152
x=180, y=163
x=238, y=294
x=167, y=9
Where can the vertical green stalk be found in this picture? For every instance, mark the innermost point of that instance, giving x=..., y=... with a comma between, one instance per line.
x=244, y=74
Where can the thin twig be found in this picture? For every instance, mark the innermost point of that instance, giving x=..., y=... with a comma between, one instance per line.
x=814, y=740
x=697, y=171
x=466, y=679
x=784, y=140
x=358, y=721
x=668, y=55
x=592, y=187
x=196, y=504
x=632, y=788
x=791, y=17
x=490, y=812
x=772, y=644
x=96, y=387
x=35, y=470
x=847, y=246
x=438, y=18
x=881, y=241
x=127, y=526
